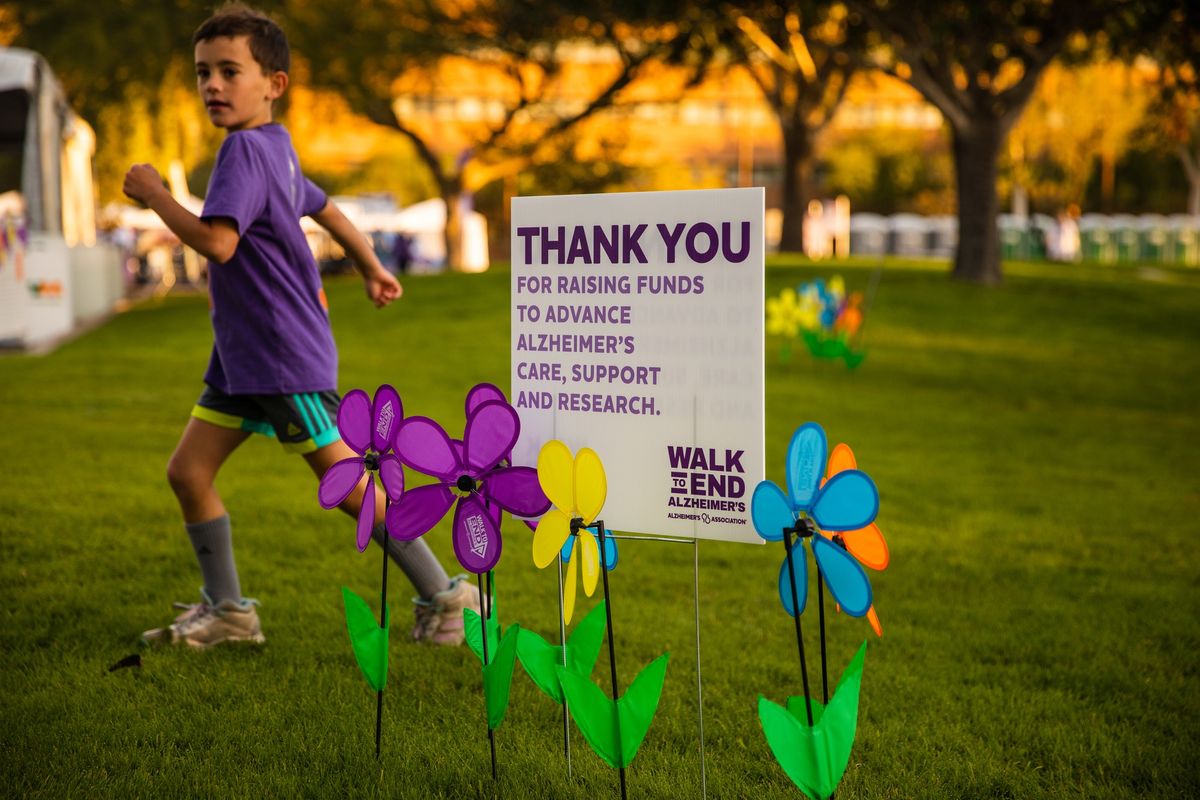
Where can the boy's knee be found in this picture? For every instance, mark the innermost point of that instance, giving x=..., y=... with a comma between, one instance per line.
x=182, y=477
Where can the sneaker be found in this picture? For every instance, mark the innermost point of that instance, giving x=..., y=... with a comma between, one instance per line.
x=189, y=610
x=205, y=624
x=440, y=618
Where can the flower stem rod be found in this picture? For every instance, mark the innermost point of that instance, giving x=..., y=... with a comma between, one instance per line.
x=382, y=624
x=804, y=528
x=821, y=617
x=787, y=547
x=485, y=608
x=612, y=653
x=562, y=638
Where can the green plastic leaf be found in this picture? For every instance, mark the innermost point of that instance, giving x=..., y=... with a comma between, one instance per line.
x=822, y=346
x=854, y=357
x=475, y=639
x=795, y=707
x=370, y=642
x=832, y=348
x=816, y=758
x=541, y=659
x=497, y=676
x=615, y=730
x=815, y=343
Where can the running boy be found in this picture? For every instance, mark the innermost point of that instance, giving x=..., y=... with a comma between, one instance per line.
x=273, y=368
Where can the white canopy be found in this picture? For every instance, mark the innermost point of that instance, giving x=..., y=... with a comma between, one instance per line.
x=56, y=178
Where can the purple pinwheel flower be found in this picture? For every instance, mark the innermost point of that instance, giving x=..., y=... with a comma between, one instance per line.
x=474, y=472
x=479, y=394
x=367, y=428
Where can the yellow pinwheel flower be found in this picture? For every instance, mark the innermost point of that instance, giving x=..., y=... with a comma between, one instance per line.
x=808, y=311
x=837, y=288
x=577, y=488
x=783, y=313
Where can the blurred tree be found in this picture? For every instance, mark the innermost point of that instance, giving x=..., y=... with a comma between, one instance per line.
x=802, y=55
x=978, y=61
x=482, y=88
x=1078, y=115
x=891, y=170
x=1178, y=106
x=343, y=152
x=100, y=50
x=1171, y=40
x=1149, y=180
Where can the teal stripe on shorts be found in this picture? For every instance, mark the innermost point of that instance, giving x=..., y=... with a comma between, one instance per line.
x=320, y=418
x=258, y=426
x=308, y=423
x=328, y=436
x=329, y=433
x=325, y=414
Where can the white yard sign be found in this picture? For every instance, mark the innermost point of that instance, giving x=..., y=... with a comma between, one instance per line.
x=637, y=330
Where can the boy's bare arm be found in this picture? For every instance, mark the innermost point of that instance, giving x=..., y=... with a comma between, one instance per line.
x=382, y=286
x=215, y=239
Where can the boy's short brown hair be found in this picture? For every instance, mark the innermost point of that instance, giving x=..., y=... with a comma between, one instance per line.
x=268, y=42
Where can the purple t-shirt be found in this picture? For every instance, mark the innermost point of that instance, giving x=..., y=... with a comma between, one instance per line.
x=270, y=324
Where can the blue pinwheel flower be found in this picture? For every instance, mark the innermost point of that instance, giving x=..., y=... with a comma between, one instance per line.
x=846, y=502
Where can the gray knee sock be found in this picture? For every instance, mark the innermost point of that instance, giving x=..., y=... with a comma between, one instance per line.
x=213, y=543
x=417, y=560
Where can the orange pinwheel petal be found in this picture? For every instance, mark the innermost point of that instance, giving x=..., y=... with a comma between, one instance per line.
x=868, y=546
x=873, y=618
x=840, y=460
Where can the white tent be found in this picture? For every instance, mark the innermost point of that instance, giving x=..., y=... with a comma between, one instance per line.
x=52, y=273
x=425, y=224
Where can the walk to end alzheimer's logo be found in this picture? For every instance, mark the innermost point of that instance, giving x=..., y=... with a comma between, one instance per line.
x=386, y=415
x=707, y=484
x=477, y=533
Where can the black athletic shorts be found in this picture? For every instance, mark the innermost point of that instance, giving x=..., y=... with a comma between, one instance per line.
x=302, y=422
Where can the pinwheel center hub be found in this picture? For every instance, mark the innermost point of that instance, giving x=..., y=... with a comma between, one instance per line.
x=804, y=528
x=465, y=483
x=371, y=461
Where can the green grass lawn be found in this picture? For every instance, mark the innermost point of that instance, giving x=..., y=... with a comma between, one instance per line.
x=1035, y=446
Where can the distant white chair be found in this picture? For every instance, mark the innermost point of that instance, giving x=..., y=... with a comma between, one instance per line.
x=1096, y=239
x=1124, y=228
x=1183, y=232
x=868, y=234
x=910, y=235
x=1014, y=235
x=1152, y=237
x=944, y=235
x=1173, y=239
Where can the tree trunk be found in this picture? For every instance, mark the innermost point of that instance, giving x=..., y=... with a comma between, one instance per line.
x=797, y=184
x=1108, y=182
x=976, y=151
x=1191, y=170
x=453, y=232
